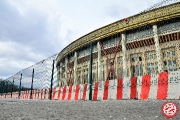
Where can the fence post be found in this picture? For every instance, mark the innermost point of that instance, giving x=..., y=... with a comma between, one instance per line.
x=32, y=84
x=90, y=73
x=1, y=87
x=12, y=87
x=7, y=90
x=20, y=86
x=52, y=80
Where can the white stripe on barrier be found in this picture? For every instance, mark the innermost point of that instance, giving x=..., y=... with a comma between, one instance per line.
x=139, y=86
x=153, y=87
x=112, y=89
x=81, y=91
x=100, y=90
x=73, y=92
x=173, y=85
x=126, y=88
x=87, y=93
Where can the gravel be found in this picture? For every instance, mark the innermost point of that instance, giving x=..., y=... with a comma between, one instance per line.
x=20, y=109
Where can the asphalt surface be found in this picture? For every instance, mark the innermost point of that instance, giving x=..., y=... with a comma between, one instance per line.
x=20, y=109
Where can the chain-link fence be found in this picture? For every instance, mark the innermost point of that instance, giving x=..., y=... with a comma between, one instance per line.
x=40, y=76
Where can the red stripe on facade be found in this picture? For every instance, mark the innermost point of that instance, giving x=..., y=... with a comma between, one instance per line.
x=167, y=38
x=132, y=45
x=136, y=45
x=127, y=46
x=152, y=41
x=164, y=38
x=146, y=42
x=170, y=37
x=141, y=45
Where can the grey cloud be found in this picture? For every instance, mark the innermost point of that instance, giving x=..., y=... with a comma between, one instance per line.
x=24, y=39
x=29, y=29
x=115, y=11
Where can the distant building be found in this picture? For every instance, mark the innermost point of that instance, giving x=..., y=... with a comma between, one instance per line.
x=149, y=44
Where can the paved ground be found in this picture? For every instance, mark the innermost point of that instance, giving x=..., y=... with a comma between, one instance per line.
x=14, y=109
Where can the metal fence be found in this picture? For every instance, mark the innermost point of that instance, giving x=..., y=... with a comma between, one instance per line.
x=40, y=76
x=160, y=4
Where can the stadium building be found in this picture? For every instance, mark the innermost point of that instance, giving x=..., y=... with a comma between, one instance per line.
x=145, y=43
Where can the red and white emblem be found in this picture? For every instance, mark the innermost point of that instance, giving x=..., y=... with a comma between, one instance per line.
x=126, y=20
x=169, y=109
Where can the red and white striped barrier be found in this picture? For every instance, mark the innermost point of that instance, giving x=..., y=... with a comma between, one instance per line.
x=162, y=86
x=76, y=92
x=46, y=91
x=85, y=92
x=56, y=93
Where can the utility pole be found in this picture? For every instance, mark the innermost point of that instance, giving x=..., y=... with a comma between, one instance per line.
x=90, y=73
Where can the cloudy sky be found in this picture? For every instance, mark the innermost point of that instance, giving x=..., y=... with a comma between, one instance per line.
x=32, y=30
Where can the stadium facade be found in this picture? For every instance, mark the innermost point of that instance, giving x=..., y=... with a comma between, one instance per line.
x=146, y=43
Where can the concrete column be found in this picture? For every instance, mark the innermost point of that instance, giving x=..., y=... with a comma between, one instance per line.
x=158, y=49
x=75, y=68
x=58, y=76
x=128, y=64
x=123, y=42
x=66, y=71
x=97, y=72
x=99, y=62
x=144, y=63
x=177, y=52
x=60, y=73
x=82, y=76
x=116, y=66
x=106, y=67
x=87, y=72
